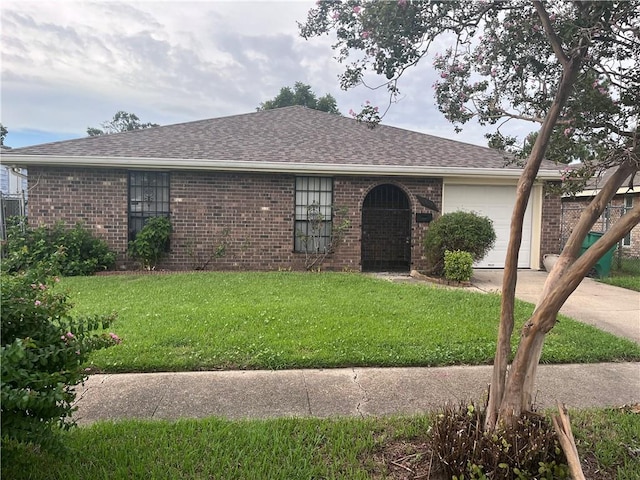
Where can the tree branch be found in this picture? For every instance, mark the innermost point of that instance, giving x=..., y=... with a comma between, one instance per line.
x=562, y=426
x=615, y=78
x=498, y=408
x=596, y=207
x=615, y=129
x=545, y=315
x=551, y=34
x=527, y=118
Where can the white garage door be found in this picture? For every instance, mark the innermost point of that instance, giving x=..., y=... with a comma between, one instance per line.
x=495, y=202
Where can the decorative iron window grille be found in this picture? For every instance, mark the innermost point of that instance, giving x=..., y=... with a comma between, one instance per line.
x=148, y=197
x=313, y=214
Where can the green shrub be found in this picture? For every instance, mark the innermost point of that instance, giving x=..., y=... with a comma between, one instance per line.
x=84, y=253
x=43, y=350
x=465, y=231
x=458, y=266
x=152, y=242
x=57, y=250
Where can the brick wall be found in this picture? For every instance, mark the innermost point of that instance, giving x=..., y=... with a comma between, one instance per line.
x=351, y=192
x=550, y=241
x=95, y=197
x=618, y=203
x=572, y=208
x=252, y=214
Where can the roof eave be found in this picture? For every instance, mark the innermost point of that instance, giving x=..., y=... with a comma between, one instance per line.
x=594, y=192
x=264, y=167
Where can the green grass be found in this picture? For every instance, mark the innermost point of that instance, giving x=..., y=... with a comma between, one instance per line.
x=300, y=320
x=281, y=449
x=611, y=438
x=625, y=274
x=211, y=448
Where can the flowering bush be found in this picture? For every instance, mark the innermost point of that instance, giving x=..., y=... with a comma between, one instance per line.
x=43, y=350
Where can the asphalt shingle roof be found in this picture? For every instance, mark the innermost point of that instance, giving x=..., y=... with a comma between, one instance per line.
x=601, y=177
x=287, y=135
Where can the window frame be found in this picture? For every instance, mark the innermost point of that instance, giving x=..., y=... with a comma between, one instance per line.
x=313, y=195
x=153, y=185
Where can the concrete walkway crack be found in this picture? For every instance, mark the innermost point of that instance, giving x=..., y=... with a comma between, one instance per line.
x=306, y=391
x=164, y=393
x=80, y=397
x=364, y=397
x=86, y=389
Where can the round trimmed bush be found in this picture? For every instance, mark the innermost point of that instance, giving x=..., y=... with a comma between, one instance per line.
x=465, y=231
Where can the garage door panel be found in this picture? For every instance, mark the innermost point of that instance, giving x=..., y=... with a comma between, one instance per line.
x=495, y=202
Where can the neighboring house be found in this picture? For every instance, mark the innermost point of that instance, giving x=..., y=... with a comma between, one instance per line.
x=13, y=192
x=626, y=197
x=250, y=180
x=11, y=182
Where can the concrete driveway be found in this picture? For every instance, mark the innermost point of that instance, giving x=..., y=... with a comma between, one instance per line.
x=612, y=309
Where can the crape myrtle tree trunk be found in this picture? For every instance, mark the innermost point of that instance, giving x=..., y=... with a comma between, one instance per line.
x=570, y=68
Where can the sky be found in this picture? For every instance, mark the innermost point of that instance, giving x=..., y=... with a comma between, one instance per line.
x=67, y=66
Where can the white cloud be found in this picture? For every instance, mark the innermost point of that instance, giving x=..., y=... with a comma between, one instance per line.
x=67, y=65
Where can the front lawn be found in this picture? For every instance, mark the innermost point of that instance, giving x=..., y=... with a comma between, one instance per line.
x=346, y=448
x=278, y=320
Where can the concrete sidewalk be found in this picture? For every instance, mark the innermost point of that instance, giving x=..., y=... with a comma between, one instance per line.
x=337, y=392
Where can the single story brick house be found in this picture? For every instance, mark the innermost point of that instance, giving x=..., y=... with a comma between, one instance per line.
x=624, y=200
x=249, y=181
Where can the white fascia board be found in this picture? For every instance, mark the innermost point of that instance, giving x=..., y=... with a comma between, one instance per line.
x=593, y=193
x=264, y=167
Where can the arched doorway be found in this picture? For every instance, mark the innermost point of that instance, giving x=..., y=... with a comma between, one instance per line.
x=386, y=230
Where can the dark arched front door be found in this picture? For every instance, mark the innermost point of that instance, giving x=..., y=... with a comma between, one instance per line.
x=386, y=230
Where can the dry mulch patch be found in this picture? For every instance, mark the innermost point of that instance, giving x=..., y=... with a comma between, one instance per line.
x=414, y=460
x=106, y=273
x=406, y=460
x=439, y=280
